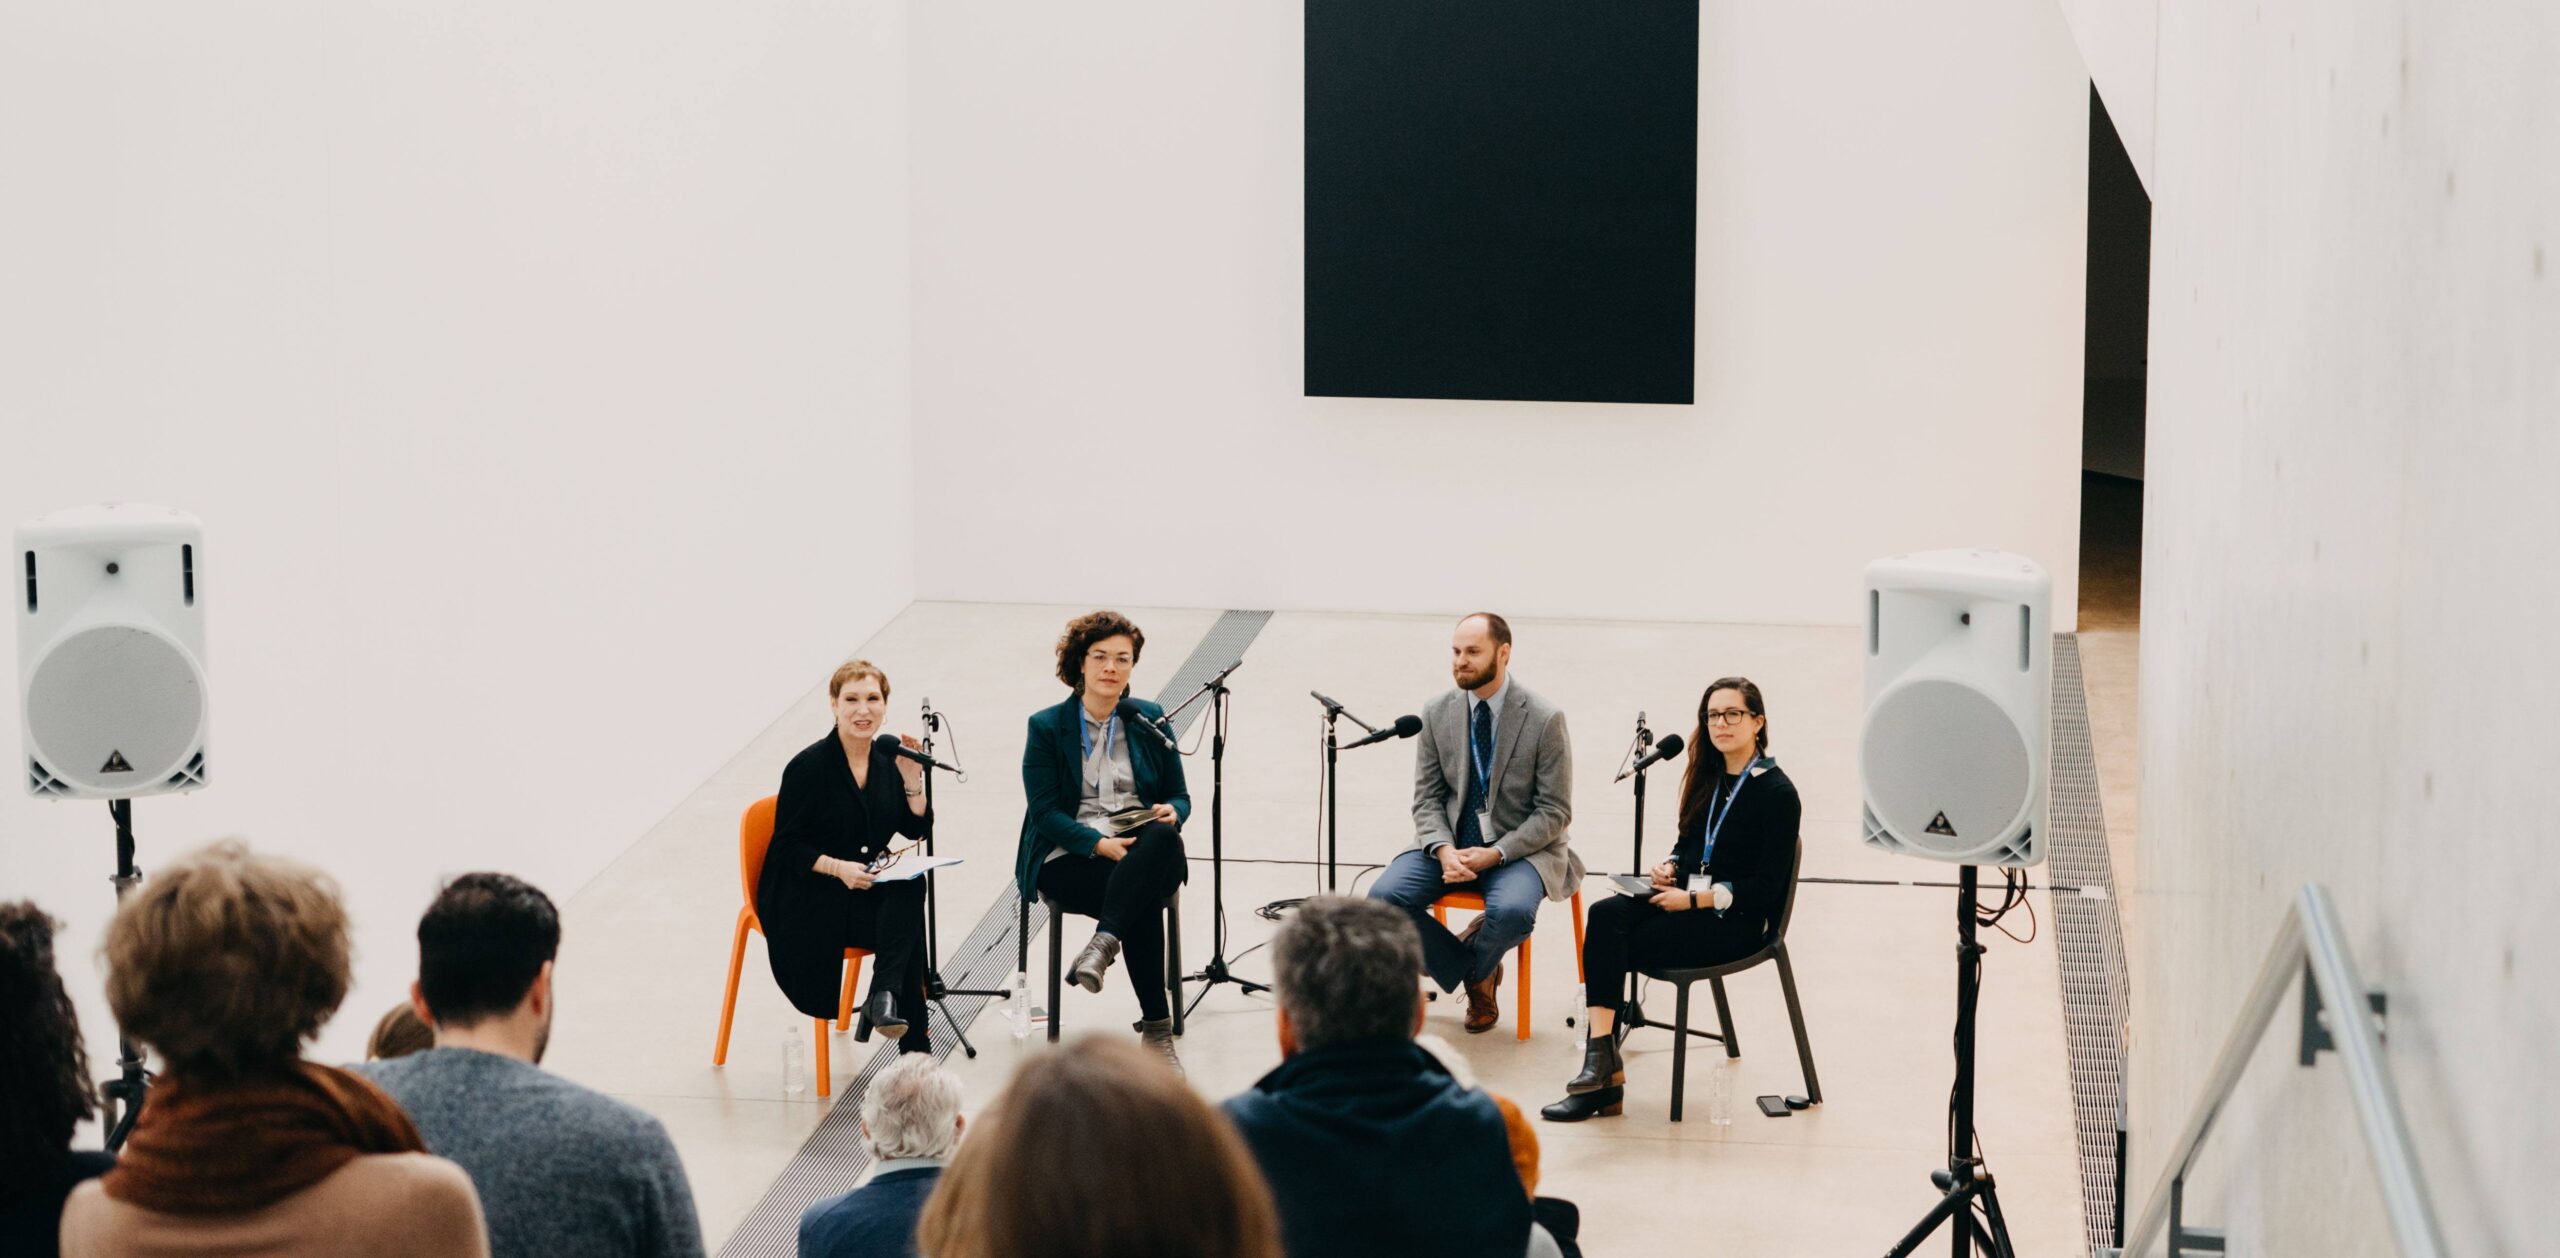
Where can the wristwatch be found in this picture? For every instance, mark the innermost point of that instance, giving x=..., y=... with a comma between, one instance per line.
x=1693, y=899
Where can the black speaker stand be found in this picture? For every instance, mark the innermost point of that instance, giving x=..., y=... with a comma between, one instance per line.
x=125, y=1093
x=1966, y=1178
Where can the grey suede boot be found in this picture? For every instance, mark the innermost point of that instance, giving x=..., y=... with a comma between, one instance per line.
x=1156, y=1036
x=1095, y=961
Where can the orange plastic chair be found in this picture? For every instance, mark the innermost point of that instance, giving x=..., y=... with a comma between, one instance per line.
x=755, y=834
x=1474, y=901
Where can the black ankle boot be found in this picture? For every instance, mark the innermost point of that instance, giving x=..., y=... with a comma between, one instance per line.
x=1601, y=1065
x=1605, y=1103
x=882, y=1014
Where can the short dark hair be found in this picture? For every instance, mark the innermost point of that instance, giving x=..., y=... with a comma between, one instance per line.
x=1082, y=632
x=41, y=1057
x=481, y=945
x=1346, y=969
x=1493, y=624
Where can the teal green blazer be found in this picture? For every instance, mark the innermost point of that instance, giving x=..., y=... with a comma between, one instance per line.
x=1053, y=783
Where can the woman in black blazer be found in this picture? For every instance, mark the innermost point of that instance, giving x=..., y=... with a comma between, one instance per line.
x=1098, y=755
x=1719, y=898
x=845, y=800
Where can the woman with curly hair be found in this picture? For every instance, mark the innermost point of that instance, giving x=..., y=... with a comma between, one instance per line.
x=46, y=1071
x=1104, y=799
x=224, y=965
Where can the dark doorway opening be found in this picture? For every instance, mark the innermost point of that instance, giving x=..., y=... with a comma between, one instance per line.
x=2116, y=359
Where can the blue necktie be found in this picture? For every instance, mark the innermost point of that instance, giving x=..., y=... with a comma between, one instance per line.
x=1480, y=748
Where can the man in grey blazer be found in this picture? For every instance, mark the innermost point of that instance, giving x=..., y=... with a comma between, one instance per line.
x=1492, y=795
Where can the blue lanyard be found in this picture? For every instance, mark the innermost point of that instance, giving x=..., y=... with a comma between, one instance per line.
x=1716, y=819
x=1084, y=735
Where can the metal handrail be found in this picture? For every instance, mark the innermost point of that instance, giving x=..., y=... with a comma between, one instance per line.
x=2309, y=944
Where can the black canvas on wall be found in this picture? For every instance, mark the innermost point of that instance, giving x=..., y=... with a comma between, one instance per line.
x=1502, y=199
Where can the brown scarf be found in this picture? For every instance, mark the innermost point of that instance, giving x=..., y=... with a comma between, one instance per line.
x=243, y=1146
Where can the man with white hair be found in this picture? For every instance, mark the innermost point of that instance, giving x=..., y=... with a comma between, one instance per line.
x=910, y=1122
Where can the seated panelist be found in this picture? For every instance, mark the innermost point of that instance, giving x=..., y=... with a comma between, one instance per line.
x=1717, y=899
x=1103, y=800
x=845, y=801
x=1492, y=797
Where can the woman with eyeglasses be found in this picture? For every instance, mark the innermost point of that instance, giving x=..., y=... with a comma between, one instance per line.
x=1718, y=898
x=846, y=800
x=1104, y=799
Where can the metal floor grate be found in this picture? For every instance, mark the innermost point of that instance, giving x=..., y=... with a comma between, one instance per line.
x=2090, y=939
x=833, y=1156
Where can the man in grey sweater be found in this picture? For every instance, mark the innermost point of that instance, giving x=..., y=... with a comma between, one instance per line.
x=562, y=1171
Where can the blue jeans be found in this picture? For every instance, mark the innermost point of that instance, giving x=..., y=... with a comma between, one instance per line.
x=1511, y=894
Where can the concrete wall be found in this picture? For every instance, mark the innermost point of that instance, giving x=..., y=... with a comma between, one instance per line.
x=539, y=373
x=1108, y=209
x=2346, y=664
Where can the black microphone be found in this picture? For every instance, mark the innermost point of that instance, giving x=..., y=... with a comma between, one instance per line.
x=1405, y=727
x=1668, y=749
x=1158, y=726
x=895, y=747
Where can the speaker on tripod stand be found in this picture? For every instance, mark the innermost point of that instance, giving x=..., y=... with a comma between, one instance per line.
x=111, y=682
x=1953, y=758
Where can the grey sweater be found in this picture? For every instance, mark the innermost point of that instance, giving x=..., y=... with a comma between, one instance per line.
x=562, y=1171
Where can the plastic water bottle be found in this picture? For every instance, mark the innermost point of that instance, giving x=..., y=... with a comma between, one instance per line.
x=1017, y=1002
x=795, y=1062
x=1720, y=1094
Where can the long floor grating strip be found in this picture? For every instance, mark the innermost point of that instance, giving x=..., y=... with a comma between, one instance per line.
x=2090, y=939
x=834, y=1157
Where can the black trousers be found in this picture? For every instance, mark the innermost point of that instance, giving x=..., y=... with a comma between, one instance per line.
x=1625, y=933
x=1128, y=896
x=889, y=920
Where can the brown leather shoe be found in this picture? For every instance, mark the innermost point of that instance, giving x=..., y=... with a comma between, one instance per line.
x=1483, y=1010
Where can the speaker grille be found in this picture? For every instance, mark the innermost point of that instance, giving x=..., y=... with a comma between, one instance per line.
x=113, y=708
x=1947, y=771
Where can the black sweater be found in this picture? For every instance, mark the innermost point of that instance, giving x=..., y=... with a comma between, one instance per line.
x=1755, y=845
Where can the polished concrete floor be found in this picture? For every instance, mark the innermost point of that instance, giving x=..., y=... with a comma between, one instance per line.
x=647, y=941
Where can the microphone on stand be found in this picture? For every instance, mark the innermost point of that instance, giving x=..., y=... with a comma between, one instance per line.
x=1405, y=727
x=1332, y=708
x=901, y=749
x=1668, y=749
x=1159, y=727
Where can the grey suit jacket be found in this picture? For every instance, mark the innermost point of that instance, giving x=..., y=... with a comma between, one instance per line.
x=1530, y=796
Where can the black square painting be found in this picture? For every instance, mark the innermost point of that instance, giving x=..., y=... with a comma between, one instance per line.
x=1502, y=199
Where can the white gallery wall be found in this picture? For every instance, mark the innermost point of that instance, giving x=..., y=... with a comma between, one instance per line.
x=539, y=373
x=2347, y=672
x=1108, y=203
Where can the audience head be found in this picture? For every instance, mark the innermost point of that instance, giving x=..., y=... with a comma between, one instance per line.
x=226, y=961
x=1098, y=652
x=485, y=950
x=1344, y=968
x=399, y=1033
x=859, y=693
x=912, y=1110
x=1175, y=1179
x=1480, y=651
x=42, y=1063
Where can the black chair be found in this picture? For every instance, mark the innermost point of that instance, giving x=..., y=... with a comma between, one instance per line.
x=1057, y=962
x=1714, y=976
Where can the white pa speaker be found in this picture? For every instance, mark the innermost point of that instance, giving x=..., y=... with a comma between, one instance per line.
x=111, y=680
x=1954, y=751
